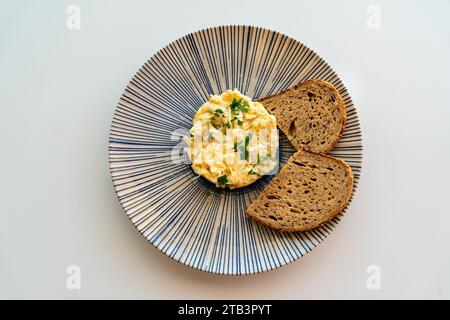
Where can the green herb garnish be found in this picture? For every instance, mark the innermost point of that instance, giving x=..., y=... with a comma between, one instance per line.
x=242, y=146
x=245, y=106
x=240, y=122
x=236, y=105
x=247, y=140
x=222, y=180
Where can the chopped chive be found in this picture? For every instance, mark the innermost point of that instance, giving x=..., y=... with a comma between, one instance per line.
x=222, y=180
x=240, y=122
x=245, y=106
x=236, y=104
x=247, y=140
x=246, y=153
x=246, y=143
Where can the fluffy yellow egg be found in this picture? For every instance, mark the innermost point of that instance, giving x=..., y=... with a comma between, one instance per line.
x=234, y=140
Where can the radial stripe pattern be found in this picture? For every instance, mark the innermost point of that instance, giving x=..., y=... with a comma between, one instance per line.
x=186, y=217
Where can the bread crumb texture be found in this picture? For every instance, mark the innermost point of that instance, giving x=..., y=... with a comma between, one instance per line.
x=309, y=190
x=311, y=114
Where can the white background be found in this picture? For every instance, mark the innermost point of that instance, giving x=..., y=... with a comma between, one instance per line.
x=59, y=88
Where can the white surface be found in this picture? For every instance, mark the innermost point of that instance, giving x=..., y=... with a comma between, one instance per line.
x=59, y=91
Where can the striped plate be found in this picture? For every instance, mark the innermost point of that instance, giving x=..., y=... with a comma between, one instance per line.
x=187, y=218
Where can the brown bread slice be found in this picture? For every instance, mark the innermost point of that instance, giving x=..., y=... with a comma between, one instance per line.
x=309, y=190
x=311, y=114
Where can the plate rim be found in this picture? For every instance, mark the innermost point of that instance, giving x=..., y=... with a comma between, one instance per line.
x=250, y=27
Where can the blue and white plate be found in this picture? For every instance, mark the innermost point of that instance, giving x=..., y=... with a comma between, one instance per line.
x=184, y=216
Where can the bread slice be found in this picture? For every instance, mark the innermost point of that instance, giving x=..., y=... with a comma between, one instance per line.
x=309, y=190
x=311, y=114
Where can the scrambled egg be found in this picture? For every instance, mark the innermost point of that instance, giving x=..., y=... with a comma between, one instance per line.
x=234, y=141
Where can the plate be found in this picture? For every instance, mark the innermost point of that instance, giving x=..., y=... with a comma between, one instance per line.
x=186, y=217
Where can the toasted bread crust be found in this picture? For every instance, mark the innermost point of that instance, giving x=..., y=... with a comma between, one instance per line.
x=268, y=102
x=254, y=211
